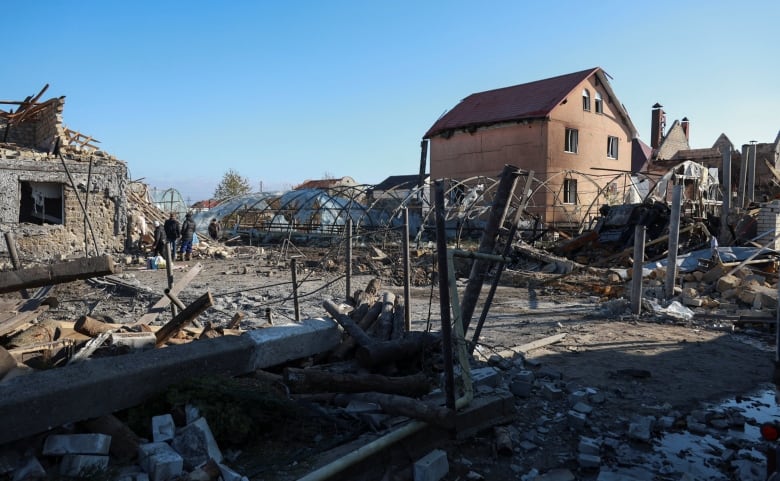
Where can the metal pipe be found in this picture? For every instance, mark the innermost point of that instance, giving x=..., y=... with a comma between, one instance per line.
x=444, y=297
x=78, y=197
x=407, y=262
x=349, y=258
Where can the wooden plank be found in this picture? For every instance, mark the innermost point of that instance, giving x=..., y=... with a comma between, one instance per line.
x=164, y=302
x=19, y=319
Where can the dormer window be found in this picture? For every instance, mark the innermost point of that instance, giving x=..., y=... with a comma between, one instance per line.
x=585, y=100
x=599, y=104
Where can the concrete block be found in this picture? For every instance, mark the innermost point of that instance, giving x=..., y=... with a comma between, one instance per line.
x=525, y=376
x=725, y=283
x=196, y=444
x=431, y=467
x=79, y=465
x=60, y=444
x=29, y=468
x=692, y=301
x=165, y=465
x=589, y=446
x=521, y=388
x=131, y=473
x=577, y=420
x=641, y=429
x=134, y=340
x=192, y=413
x=146, y=451
x=163, y=428
x=588, y=461
x=486, y=376
x=551, y=392
x=583, y=408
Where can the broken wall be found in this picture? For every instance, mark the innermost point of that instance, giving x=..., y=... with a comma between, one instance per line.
x=42, y=209
x=40, y=134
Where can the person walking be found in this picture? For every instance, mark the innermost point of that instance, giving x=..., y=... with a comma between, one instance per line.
x=214, y=230
x=172, y=232
x=187, y=231
x=159, y=239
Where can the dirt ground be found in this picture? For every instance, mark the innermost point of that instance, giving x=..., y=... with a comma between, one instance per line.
x=640, y=365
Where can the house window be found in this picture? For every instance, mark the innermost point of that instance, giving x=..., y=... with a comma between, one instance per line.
x=612, y=147
x=41, y=203
x=586, y=100
x=599, y=104
x=570, y=191
x=571, y=141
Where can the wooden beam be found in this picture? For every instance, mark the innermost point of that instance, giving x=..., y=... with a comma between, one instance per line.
x=58, y=273
x=164, y=301
x=187, y=315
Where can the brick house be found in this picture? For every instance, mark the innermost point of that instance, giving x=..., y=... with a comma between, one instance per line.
x=561, y=128
x=50, y=175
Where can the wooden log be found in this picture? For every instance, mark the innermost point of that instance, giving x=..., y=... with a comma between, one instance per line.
x=385, y=321
x=183, y=318
x=318, y=380
x=236, y=320
x=347, y=323
x=84, y=268
x=348, y=345
x=396, y=405
x=383, y=352
x=89, y=326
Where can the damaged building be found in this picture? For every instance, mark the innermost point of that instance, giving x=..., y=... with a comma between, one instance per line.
x=63, y=195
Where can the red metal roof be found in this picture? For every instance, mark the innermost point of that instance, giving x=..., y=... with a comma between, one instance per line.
x=525, y=101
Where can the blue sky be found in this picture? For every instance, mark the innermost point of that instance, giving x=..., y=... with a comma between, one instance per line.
x=282, y=92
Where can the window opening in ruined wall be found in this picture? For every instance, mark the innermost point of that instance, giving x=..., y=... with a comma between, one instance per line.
x=41, y=203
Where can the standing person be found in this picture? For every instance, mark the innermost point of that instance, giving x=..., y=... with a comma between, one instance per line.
x=159, y=239
x=214, y=230
x=172, y=232
x=187, y=231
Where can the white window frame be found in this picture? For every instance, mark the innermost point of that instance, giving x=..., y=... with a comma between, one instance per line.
x=571, y=141
x=570, y=191
x=585, y=100
x=612, y=147
x=599, y=103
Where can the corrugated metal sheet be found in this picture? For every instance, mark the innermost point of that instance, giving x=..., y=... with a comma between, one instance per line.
x=525, y=101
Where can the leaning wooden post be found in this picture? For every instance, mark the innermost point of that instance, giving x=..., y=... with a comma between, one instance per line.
x=169, y=272
x=188, y=314
x=636, y=279
x=349, y=257
x=407, y=295
x=11, y=243
x=674, y=237
x=743, y=163
x=294, y=273
x=444, y=297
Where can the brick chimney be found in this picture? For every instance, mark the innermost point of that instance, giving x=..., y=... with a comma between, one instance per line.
x=685, y=124
x=657, y=126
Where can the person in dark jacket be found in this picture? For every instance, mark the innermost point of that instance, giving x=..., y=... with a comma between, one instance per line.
x=172, y=232
x=187, y=231
x=159, y=239
x=214, y=230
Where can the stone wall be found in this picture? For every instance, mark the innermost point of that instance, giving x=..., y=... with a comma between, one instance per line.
x=104, y=197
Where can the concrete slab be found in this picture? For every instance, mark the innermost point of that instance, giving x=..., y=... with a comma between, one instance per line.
x=46, y=399
x=90, y=443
